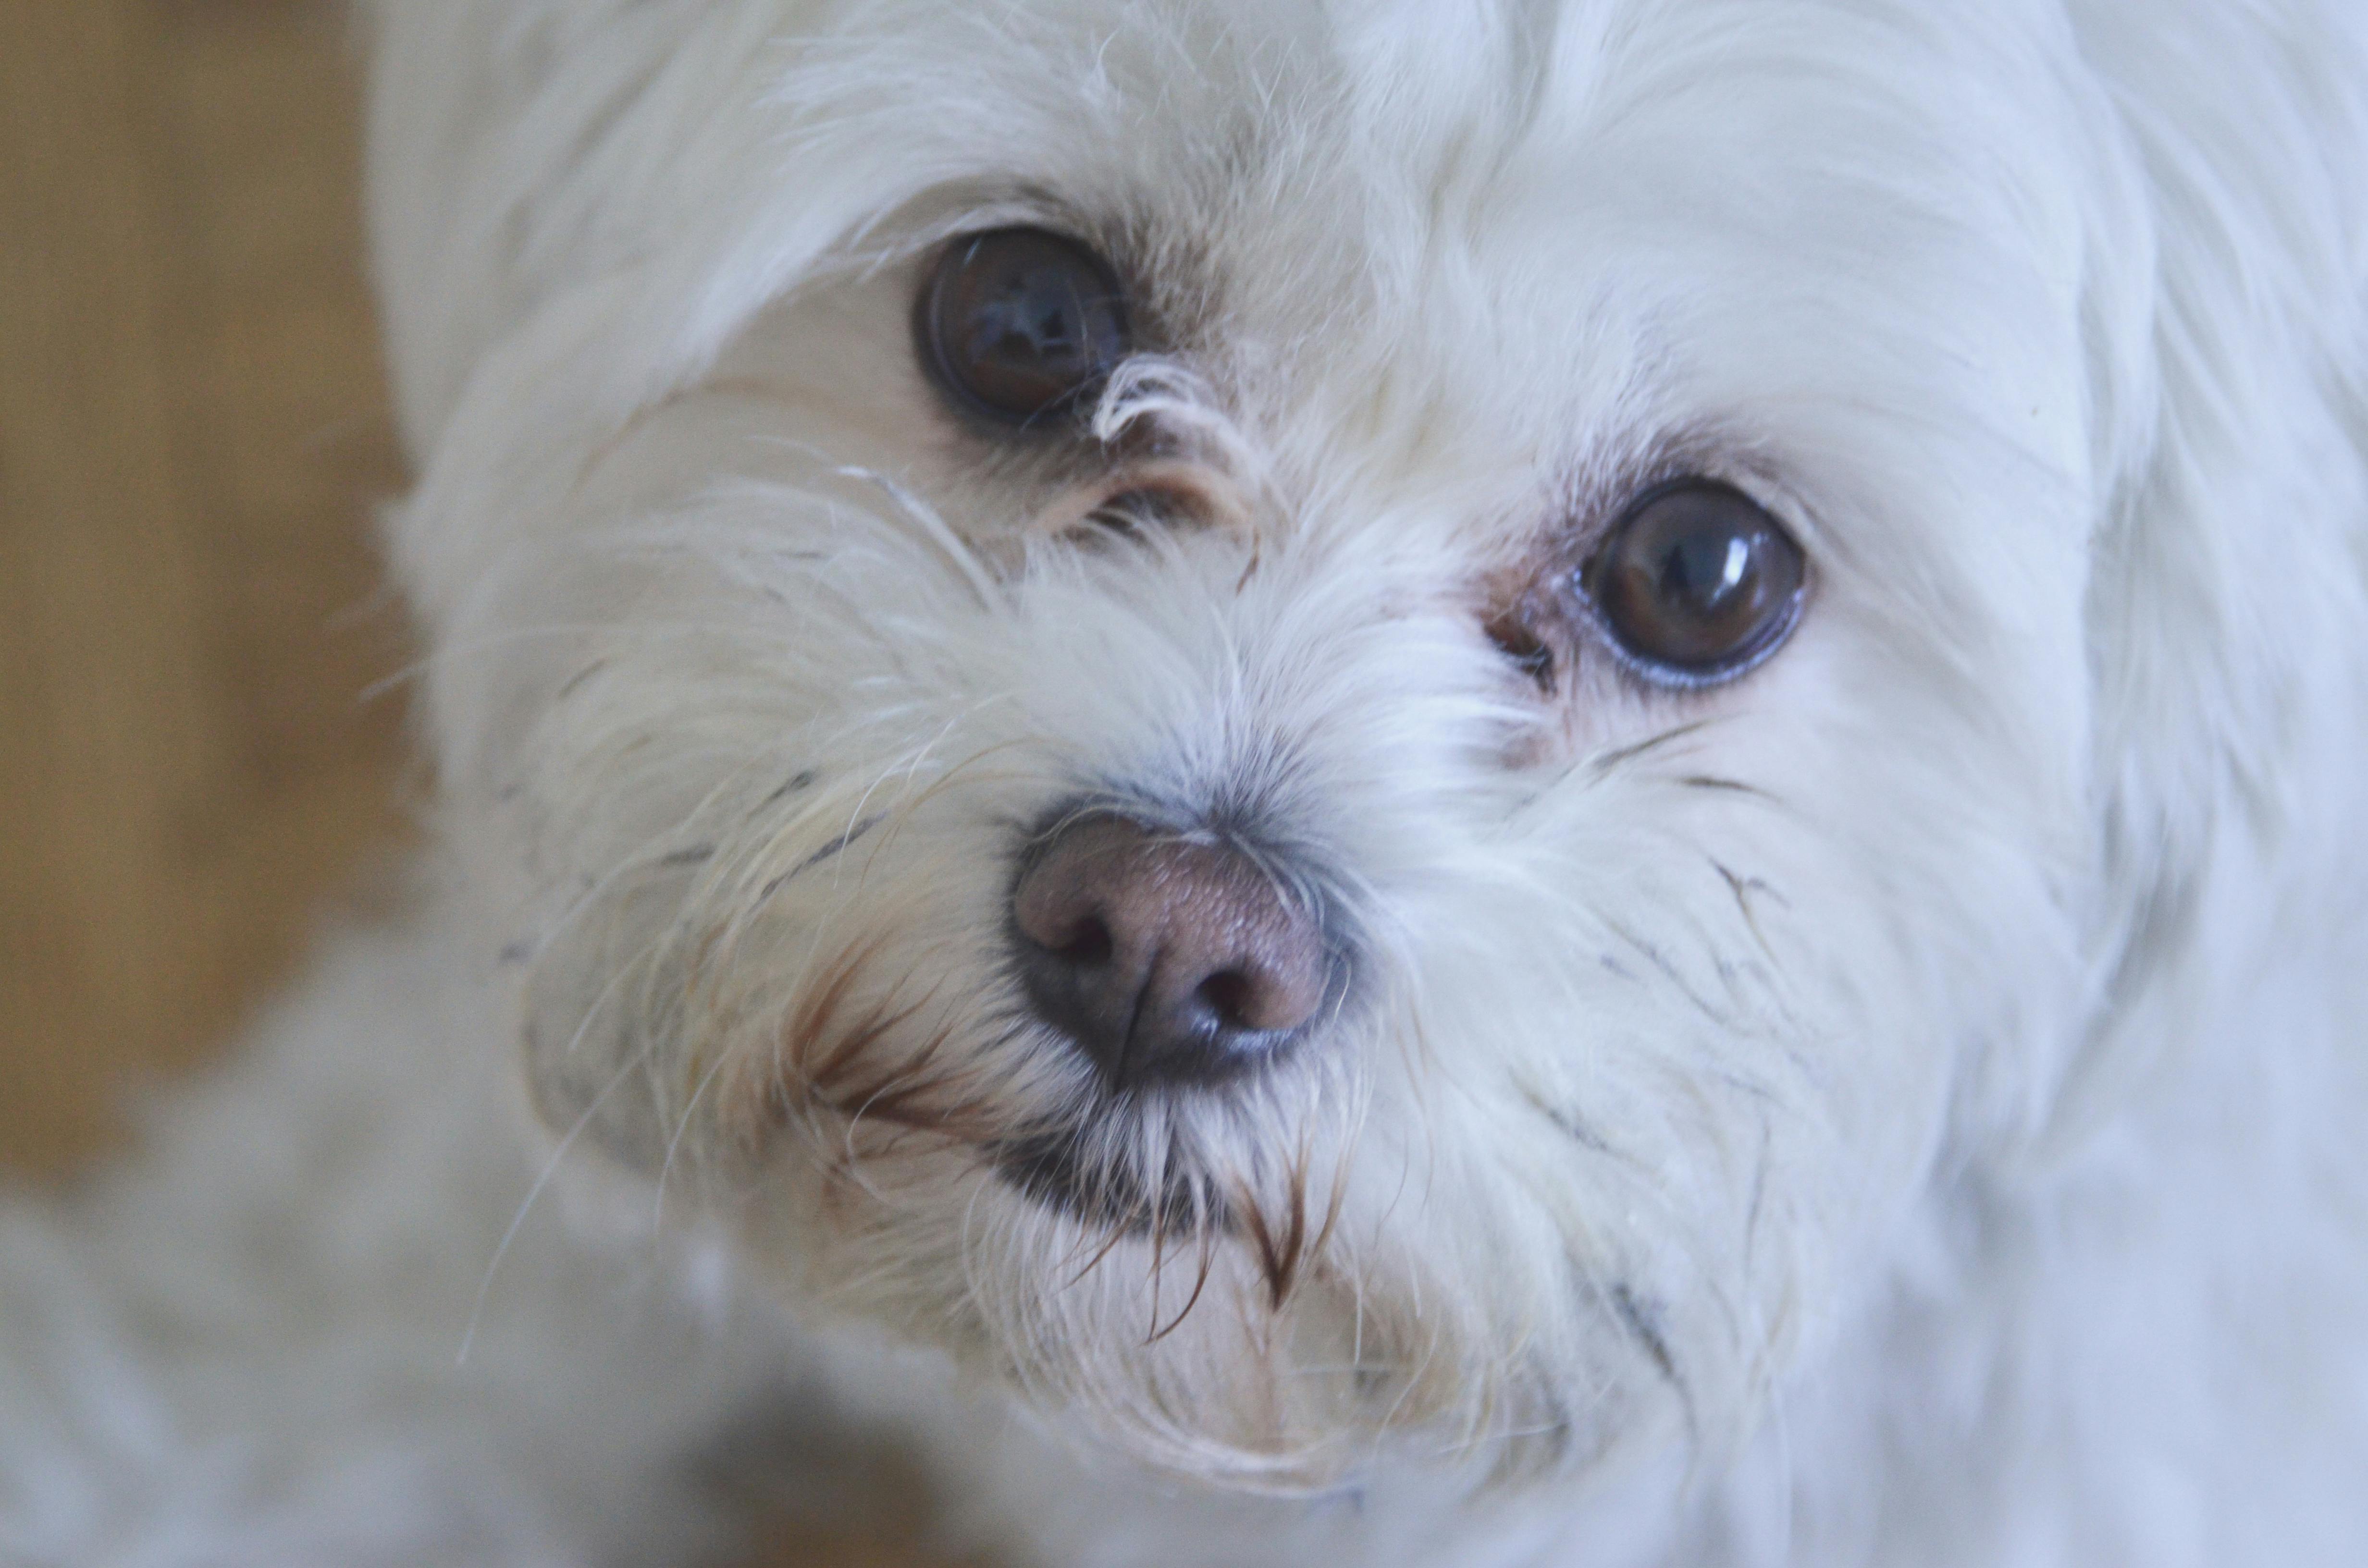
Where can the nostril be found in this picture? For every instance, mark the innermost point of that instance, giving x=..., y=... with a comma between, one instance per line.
x=1230, y=996
x=1087, y=944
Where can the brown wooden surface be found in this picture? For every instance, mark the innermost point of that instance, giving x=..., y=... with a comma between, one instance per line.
x=193, y=432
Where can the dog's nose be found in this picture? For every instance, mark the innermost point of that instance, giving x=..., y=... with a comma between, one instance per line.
x=1166, y=958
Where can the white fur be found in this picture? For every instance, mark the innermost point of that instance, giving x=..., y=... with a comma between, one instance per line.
x=1896, y=1107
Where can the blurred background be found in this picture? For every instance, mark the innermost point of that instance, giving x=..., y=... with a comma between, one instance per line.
x=201, y=730
x=193, y=437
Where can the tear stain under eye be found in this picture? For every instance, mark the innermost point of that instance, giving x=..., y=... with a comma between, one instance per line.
x=1192, y=492
x=1523, y=647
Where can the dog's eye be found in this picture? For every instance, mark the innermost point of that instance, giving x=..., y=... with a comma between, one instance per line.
x=1020, y=324
x=1697, y=582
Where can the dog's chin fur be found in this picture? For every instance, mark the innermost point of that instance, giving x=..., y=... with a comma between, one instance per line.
x=1894, y=1105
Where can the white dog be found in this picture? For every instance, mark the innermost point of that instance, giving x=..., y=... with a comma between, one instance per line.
x=1501, y=782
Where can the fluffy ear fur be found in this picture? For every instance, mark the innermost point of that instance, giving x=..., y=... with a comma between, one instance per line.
x=2228, y=310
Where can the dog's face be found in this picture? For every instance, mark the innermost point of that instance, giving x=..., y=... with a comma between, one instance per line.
x=1321, y=728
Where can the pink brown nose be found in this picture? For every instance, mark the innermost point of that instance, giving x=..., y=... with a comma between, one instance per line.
x=1163, y=958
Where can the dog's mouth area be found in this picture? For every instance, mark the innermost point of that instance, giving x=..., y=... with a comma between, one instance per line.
x=1056, y=1168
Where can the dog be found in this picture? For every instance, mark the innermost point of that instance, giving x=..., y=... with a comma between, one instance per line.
x=1497, y=782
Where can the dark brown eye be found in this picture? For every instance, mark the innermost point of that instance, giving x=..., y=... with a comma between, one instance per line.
x=1020, y=324
x=1697, y=582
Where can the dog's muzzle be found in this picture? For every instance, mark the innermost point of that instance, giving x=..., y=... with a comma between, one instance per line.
x=1166, y=958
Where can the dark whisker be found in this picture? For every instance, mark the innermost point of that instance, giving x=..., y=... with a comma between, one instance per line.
x=1743, y=888
x=1732, y=785
x=1570, y=1126
x=1641, y=1319
x=821, y=855
x=1603, y=764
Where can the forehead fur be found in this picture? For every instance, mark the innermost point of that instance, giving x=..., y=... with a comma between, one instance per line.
x=1617, y=120
x=1711, y=173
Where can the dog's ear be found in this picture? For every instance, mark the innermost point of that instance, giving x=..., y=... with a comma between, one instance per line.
x=2223, y=316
